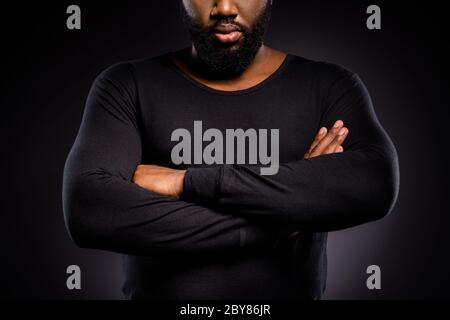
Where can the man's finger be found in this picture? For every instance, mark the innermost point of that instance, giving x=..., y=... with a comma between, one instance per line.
x=320, y=135
x=337, y=141
x=322, y=132
x=323, y=143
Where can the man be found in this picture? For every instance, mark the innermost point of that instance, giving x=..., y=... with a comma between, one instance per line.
x=191, y=210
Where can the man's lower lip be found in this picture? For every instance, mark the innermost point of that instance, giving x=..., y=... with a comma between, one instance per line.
x=228, y=37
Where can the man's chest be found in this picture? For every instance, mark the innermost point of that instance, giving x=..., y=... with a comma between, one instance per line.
x=183, y=130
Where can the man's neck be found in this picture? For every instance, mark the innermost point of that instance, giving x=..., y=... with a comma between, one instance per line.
x=266, y=62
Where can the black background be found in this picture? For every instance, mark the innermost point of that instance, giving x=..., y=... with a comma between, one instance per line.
x=47, y=71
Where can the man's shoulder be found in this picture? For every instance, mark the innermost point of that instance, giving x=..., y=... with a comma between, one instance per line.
x=130, y=69
x=321, y=68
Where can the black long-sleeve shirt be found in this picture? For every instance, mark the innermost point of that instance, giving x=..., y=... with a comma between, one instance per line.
x=221, y=238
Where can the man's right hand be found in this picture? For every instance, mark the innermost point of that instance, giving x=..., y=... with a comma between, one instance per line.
x=326, y=142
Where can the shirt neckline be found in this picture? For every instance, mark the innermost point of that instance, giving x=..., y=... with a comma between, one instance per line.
x=257, y=86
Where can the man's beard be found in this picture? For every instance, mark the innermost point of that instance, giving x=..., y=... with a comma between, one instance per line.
x=218, y=60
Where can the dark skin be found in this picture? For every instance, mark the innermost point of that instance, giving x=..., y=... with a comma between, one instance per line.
x=169, y=182
x=244, y=12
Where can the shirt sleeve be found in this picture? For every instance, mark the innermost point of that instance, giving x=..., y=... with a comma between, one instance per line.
x=104, y=209
x=324, y=193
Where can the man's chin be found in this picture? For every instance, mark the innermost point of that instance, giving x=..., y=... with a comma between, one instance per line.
x=224, y=60
x=227, y=67
x=232, y=51
x=235, y=46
